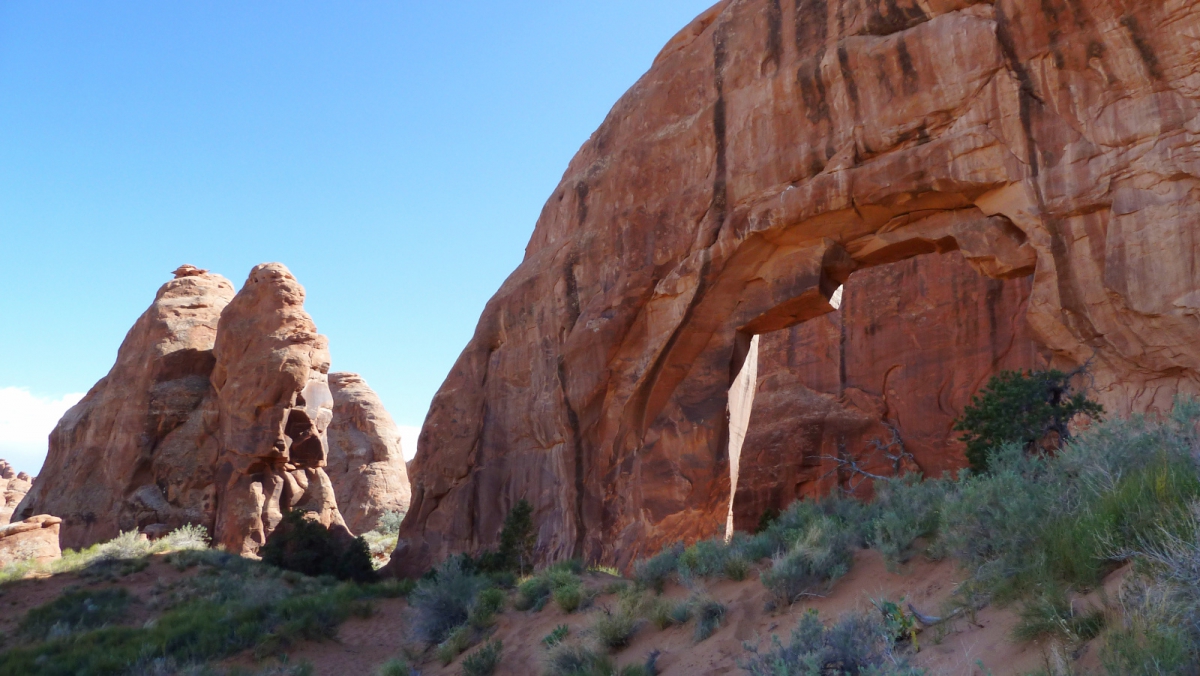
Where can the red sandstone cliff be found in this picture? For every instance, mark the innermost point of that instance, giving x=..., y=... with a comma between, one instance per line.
x=13, y=487
x=774, y=147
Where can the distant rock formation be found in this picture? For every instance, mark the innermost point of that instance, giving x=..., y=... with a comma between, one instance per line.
x=215, y=413
x=366, y=464
x=34, y=539
x=774, y=148
x=13, y=487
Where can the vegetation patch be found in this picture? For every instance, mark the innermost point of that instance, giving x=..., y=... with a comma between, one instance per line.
x=305, y=546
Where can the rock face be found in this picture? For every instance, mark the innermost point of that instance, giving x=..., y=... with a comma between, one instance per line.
x=274, y=403
x=366, y=464
x=774, y=147
x=139, y=448
x=13, y=487
x=879, y=382
x=34, y=539
x=215, y=414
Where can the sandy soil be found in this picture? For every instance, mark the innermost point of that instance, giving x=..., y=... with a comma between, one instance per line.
x=362, y=645
x=957, y=647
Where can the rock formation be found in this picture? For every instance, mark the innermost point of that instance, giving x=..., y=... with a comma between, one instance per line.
x=34, y=539
x=879, y=382
x=13, y=487
x=139, y=449
x=214, y=414
x=775, y=147
x=366, y=464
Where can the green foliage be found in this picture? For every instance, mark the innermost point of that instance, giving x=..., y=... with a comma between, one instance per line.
x=456, y=643
x=906, y=509
x=768, y=517
x=555, y=637
x=819, y=554
x=533, y=593
x=443, y=602
x=518, y=541
x=394, y=667
x=614, y=629
x=1053, y=615
x=307, y=547
x=389, y=522
x=483, y=662
x=899, y=625
x=486, y=606
x=75, y=611
x=1020, y=408
x=576, y=659
x=856, y=644
x=709, y=614
x=569, y=597
x=558, y=581
x=654, y=572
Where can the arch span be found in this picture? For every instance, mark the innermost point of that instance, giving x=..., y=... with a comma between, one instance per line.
x=759, y=163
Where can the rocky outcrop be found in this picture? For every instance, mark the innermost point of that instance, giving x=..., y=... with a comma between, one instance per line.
x=775, y=147
x=139, y=448
x=13, y=487
x=874, y=388
x=34, y=539
x=274, y=405
x=215, y=414
x=366, y=464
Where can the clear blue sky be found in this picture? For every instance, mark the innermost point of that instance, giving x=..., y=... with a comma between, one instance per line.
x=395, y=155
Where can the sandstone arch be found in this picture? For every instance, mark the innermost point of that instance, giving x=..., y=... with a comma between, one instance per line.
x=774, y=147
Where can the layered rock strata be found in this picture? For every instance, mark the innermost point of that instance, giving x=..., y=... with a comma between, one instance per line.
x=366, y=462
x=775, y=147
x=13, y=487
x=216, y=413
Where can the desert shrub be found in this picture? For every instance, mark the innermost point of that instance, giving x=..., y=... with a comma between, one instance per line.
x=394, y=667
x=819, y=555
x=658, y=611
x=1022, y=409
x=307, y=547
x=188, y=537
x=569, y=597
x=614, y=629
x=483, y=662
x=576, y=659
x=487, y=605
x=654, y=572
x=456, y=643
x=1052, y=615
x=555, y=637
x=709, y=614
x=856, y=644
x=441, y=603
x=389, y=522
x=533, y=593
x=75, y=611
x=906, y=509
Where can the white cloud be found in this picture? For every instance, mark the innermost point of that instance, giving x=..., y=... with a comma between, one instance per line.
x=26, y=421
x=408, y=440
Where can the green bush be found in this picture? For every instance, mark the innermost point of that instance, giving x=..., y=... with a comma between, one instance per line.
x=818, y=556
x=569, y=597
x=555, y=637
x=483, y=662
x=1022, y=409
x=518, y=540
x=576, y=659
x=654, y=572
x=75, y=611
x=394, y=667
x=457, y=642
x=614, y=629
x=856, y=644
x=906, y=509
x=389, y=522
x=533, y=593
x=307, y=547
x=709, y=614
x=442, y=602
x=486, y=606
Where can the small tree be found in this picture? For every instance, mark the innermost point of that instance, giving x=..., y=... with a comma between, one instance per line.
x=518, y=537
x=1021, y=408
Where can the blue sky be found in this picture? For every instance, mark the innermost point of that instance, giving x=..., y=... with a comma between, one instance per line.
x=395, y=155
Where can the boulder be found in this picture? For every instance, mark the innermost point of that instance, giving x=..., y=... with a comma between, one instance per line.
x=774, y=148
x=365, y=464
x=34, y=539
